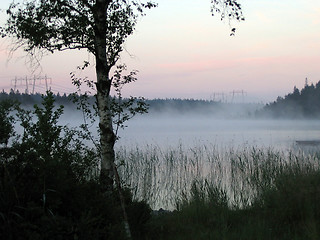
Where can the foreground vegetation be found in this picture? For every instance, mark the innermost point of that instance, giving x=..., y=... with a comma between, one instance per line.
x=286, y=208
x=48, y=182
x=213, y=193
x=49, y=187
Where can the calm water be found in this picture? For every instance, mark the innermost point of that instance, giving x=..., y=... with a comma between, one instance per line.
x=189, y=130
x=161, y=181
x=165, y=130
x=223, y=140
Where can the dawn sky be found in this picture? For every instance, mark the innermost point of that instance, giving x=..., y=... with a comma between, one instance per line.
x=181, y=51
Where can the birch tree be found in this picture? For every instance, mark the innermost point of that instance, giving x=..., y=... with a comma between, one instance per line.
x=99, y=26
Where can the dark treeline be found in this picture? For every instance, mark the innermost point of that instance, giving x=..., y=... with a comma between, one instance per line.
x=30, y=99
x=168, y=105
x=298, y=104
x=304, y=103
x=155, y=105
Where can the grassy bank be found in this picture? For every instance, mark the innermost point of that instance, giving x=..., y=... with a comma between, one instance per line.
x=246, y=193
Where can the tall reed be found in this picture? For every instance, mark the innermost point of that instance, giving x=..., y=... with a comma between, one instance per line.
x=165, y=176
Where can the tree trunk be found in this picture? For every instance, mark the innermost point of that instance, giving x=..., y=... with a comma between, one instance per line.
x=107, y=136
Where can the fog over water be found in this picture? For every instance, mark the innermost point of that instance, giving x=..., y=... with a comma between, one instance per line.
x=169, y=129
x=165, y=151
x=166, y=130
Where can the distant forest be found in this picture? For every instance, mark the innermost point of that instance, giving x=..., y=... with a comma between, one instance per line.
x=155, y=104
x=172, y=106
x=298, y=104
x=31, y=99
x=304, y=103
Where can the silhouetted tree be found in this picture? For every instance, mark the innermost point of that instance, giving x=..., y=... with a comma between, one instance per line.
x=99, y=26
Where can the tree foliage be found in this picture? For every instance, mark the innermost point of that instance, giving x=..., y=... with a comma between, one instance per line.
x=123, y=109
x=42, y=135
x=99, y=26
x=6, y=120
x=228, y=9
x=57, y=25
x=48, y=188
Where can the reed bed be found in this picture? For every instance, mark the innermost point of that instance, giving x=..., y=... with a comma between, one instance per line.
x=166, y=177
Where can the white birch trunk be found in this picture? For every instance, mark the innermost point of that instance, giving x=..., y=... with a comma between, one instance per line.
x=107, y=136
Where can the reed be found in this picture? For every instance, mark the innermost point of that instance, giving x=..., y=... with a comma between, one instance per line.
x=217, y=193
x=163, y=176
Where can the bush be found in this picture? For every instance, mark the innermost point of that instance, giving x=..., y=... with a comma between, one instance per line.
x=47, y=186
x=293, y=202
x=6, y=121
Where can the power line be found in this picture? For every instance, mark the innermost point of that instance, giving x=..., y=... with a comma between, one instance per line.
x=34, y=81
x=224, y=97
x=241, y=93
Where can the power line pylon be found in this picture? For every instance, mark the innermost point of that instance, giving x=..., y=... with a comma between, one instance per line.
x=31, y=81
x=241, y=93
x=219, y=97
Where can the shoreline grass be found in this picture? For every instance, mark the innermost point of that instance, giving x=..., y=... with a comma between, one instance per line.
x=162, y=176
x=249, y=193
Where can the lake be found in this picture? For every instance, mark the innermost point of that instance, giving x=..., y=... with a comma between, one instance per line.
x=160, y=155
x=166, y=130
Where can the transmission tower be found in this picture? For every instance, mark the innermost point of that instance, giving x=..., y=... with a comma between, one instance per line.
x=236, y=93
x=219, y=97
x=27, y=82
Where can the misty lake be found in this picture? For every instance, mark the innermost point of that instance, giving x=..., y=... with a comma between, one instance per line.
x=181, y=148
x=161, y=154
x=171, y=129
x=188, y=130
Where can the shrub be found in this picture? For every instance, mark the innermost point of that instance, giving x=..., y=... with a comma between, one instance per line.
x=47, y=186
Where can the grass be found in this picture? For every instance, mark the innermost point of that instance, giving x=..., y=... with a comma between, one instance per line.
x=248, y=193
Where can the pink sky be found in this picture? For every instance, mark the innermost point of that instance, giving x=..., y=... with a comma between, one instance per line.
x=181, y=51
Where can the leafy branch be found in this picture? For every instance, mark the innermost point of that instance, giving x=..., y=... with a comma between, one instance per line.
x=124, y=109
